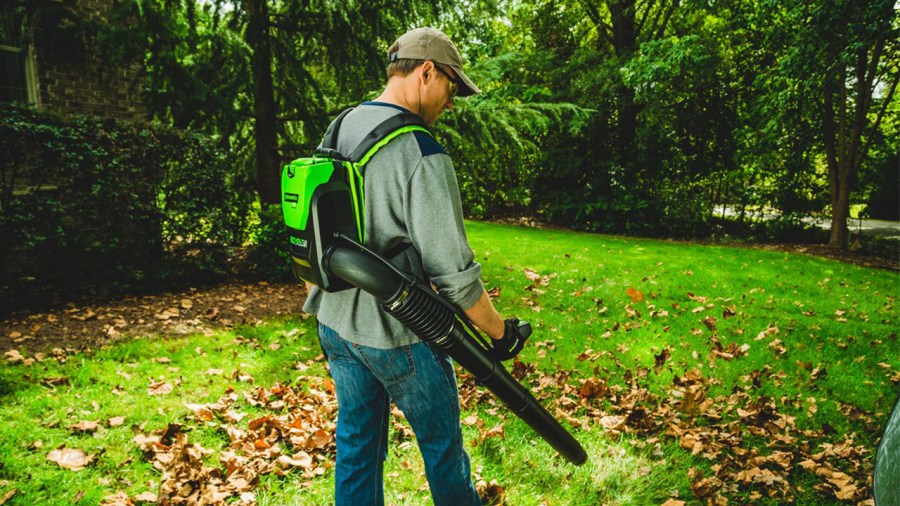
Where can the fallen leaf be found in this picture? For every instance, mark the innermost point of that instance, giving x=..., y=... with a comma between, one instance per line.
x=14, y=357
x=172, y=312
x=160, y=388
x=636, y=295
x=120, y=498
x=300, y=459
x=536, y=278
x=9, y=495
x=85, y=426
x=146, y=497
x=70, y=458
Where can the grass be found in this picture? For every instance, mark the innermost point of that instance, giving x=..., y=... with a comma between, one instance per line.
x=833, y=372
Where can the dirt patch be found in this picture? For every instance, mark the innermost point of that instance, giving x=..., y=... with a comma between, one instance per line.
x=92, y=325
x=821, y=250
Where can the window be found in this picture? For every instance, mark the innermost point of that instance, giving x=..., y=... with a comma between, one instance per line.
x=16, y=76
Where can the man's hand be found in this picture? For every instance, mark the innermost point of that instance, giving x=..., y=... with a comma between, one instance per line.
x=515, y=333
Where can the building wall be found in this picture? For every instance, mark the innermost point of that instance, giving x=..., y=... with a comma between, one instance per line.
x=70, y=79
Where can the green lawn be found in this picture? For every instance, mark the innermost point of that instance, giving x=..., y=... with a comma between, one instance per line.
x=689, y=373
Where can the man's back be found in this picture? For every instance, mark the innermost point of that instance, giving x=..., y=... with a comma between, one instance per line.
x=412, y=197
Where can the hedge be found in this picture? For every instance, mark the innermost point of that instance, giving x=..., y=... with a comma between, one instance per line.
x=91, y=205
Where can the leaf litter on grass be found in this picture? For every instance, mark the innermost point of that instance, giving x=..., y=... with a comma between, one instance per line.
x=298, y=442
x=750, y=446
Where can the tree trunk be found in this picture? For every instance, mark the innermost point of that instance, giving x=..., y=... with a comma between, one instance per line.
x=624, y=35
x=846, y=126
x=257, y=37
x=840, y=211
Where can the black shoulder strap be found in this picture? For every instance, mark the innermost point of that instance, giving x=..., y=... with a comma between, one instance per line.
x=331, y=135
x=383, y=130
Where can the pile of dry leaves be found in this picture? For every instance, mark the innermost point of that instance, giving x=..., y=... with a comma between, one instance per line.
x=305, y=429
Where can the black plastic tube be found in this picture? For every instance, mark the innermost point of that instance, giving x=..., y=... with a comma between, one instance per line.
x=430, y=318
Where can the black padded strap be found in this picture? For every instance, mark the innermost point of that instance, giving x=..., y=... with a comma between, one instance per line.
x=331, y=135
x=383, y=130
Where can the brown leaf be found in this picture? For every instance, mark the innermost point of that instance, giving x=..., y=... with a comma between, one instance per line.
x=120, y=498
x=54, y=381
x=70, y=458
x=778, y=347
x=710, y=323
x=85, y=426
x=149, y=497
x=300, y=459
x=536, y=278
x=160, y=388
x=636, y=295
x=14, y=357
x=320, y=439
x=591, y=388
x=660, y=360
x=201, y=411
x=116, y=421
x=490, y=493
x=613, y=422
x=9, y=495
x=172, y=312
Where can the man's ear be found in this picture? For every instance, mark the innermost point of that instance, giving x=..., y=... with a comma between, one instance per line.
x=427, y=70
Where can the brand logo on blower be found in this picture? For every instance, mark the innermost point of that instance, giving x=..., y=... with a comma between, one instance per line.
x=296, y=241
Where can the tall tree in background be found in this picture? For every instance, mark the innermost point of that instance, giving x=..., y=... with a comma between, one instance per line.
x=264, y=113
x=859, y=54
x=621, y=26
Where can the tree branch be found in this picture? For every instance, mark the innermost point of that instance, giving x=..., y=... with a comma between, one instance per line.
x=603, y=28
x=640, y=25
x=661, y=29
x=881, y=113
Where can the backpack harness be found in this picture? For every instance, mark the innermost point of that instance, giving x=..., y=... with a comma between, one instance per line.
x=323, y=197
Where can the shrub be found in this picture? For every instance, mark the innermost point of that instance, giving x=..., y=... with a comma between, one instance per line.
x=98, y=205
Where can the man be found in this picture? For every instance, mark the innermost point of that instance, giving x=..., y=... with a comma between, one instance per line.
x=412, y=197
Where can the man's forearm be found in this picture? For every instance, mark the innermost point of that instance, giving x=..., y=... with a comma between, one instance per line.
x=485, y=317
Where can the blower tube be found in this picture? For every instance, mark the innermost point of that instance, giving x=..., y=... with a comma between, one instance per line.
x=439, y=324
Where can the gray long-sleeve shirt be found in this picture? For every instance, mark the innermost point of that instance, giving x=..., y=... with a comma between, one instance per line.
x=412, y=196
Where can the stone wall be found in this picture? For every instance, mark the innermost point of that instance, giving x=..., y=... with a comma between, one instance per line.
x=70, y=78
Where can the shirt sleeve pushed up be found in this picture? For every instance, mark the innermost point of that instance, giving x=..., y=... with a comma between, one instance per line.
x=435, y=221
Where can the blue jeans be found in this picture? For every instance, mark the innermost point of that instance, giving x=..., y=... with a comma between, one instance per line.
x=423, y=385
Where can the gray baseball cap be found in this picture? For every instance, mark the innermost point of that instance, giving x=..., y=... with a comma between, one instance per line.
x=432, y=44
